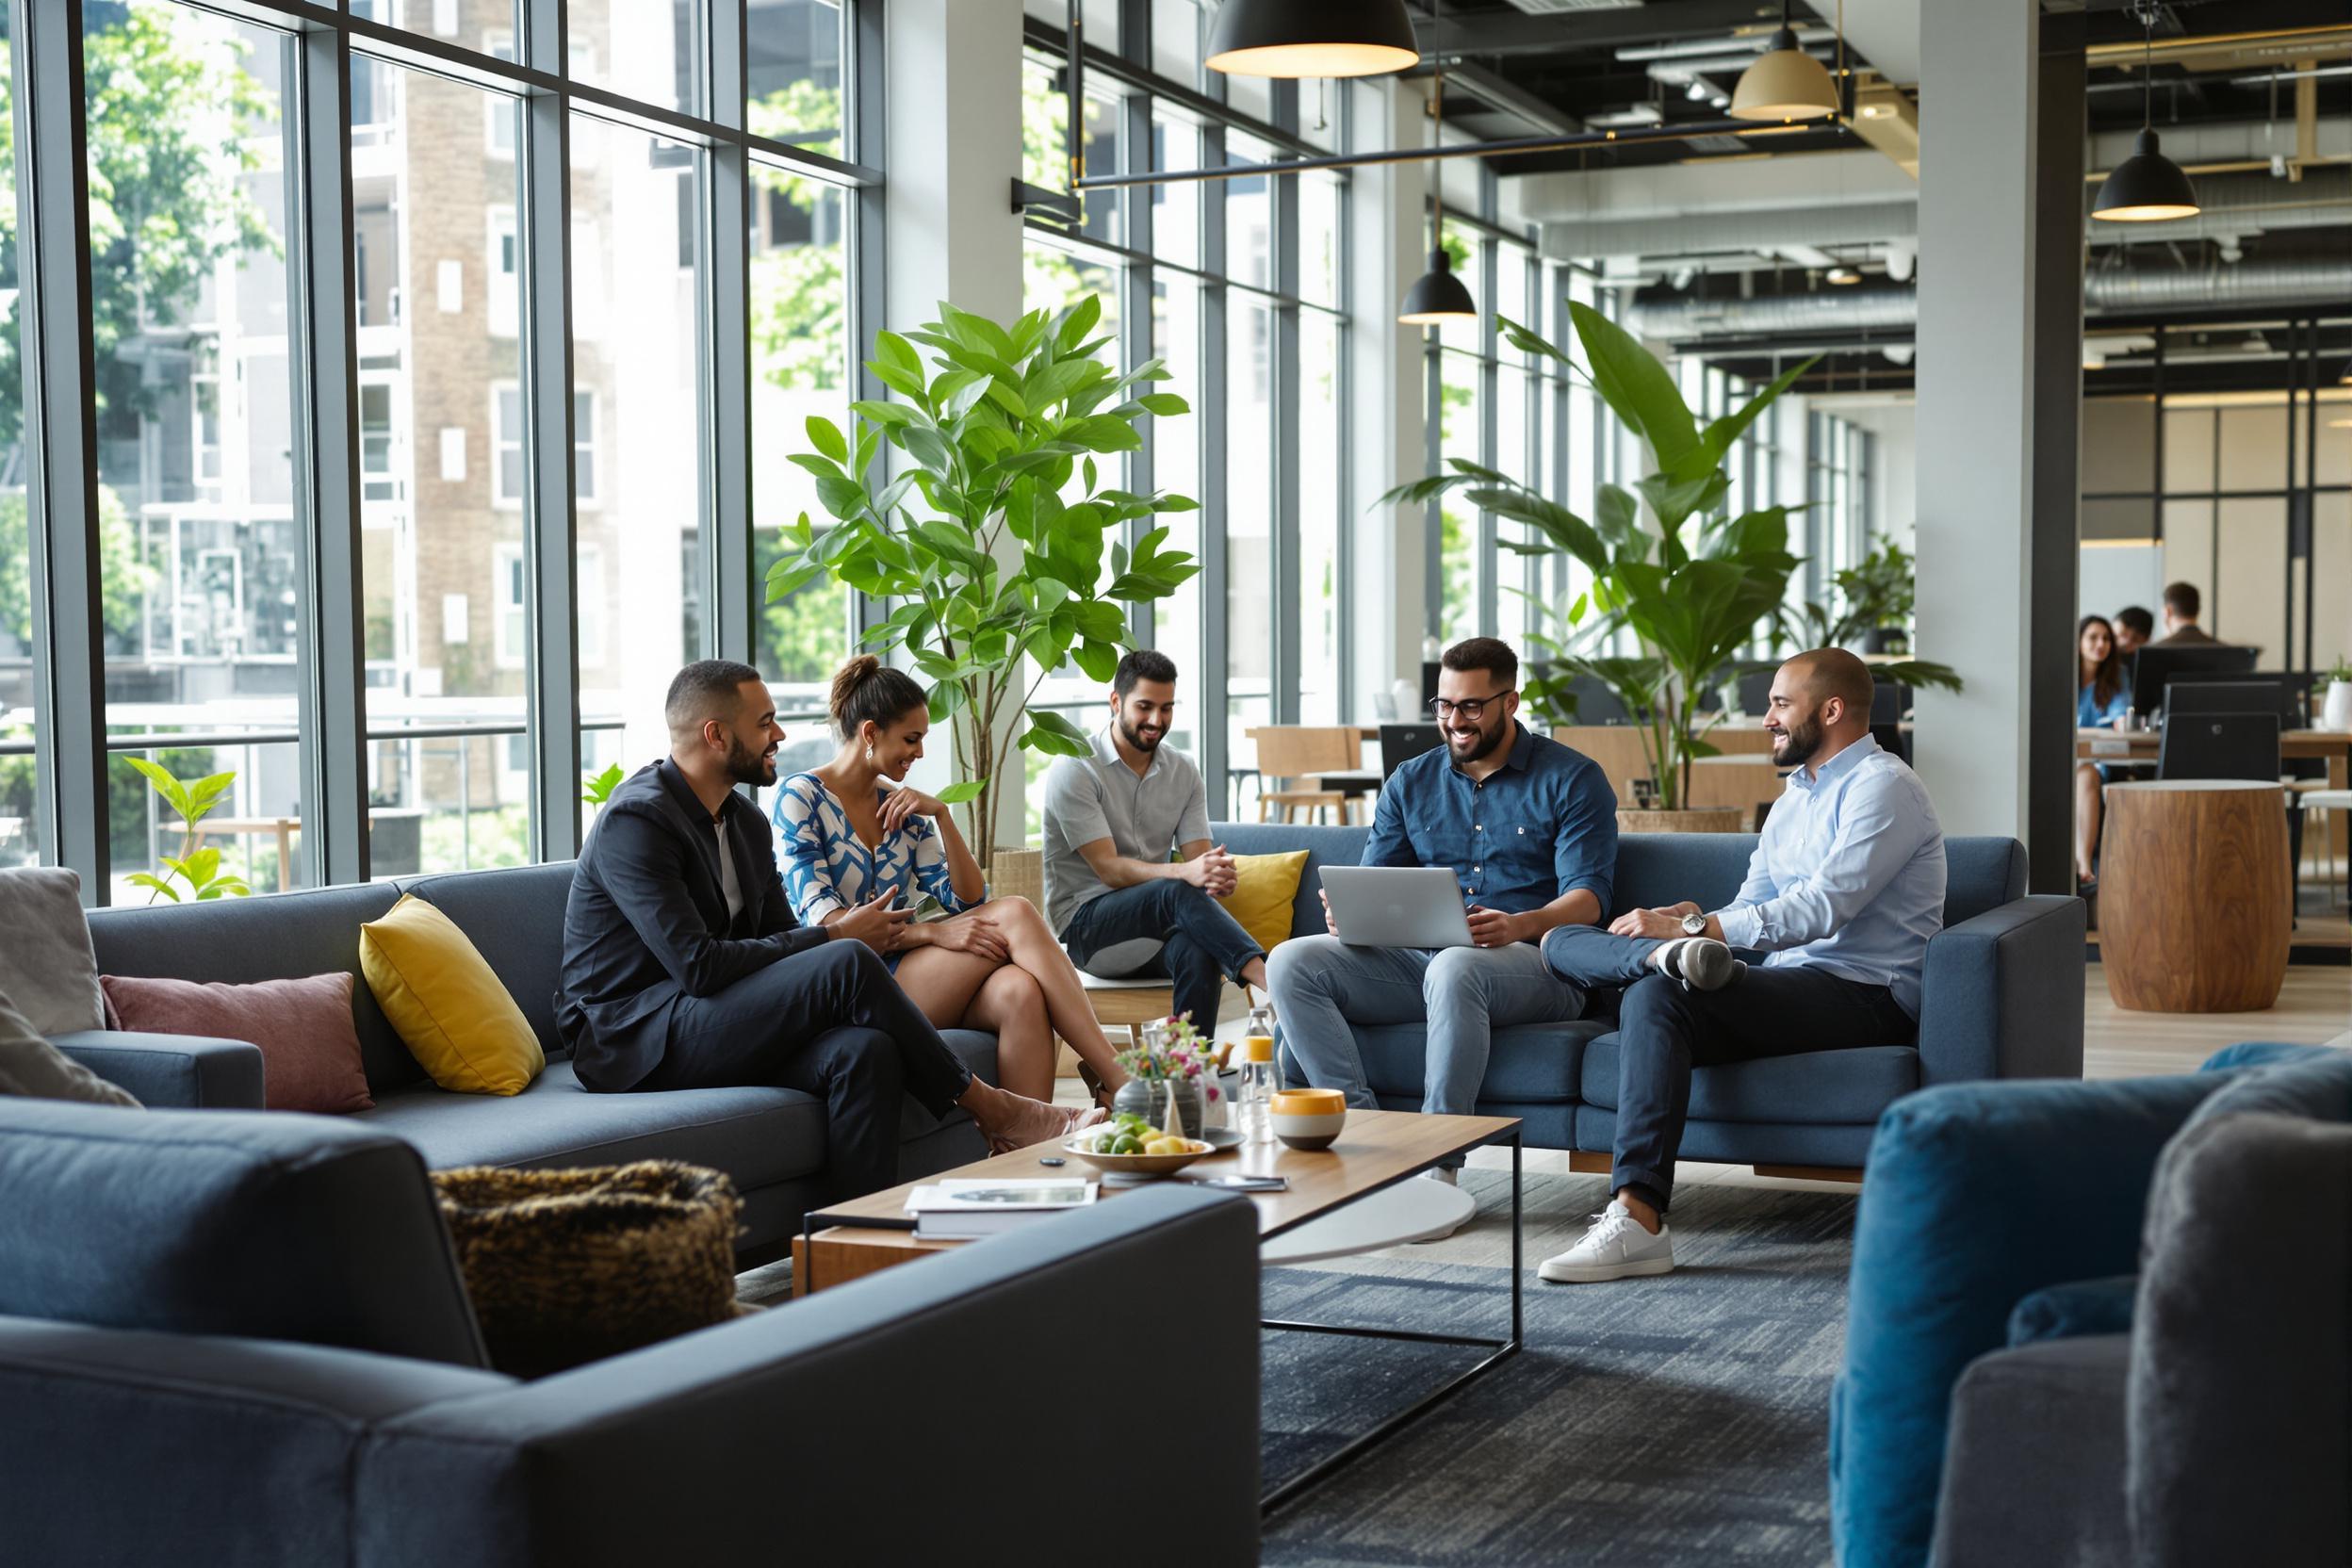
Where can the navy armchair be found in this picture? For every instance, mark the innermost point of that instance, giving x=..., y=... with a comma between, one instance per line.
x=2104, y=1323
x=240, y=1337
x=2003, y=999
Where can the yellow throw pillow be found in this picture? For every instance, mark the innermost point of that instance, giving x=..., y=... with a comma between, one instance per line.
x=1265, y=886
x=450, y=1010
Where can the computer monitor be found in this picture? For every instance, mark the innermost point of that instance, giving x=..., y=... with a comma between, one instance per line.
x=2160, y=665
x=2202, y=691
x=1401, y=741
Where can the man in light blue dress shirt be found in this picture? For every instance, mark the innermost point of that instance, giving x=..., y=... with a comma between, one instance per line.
x=1844, y=889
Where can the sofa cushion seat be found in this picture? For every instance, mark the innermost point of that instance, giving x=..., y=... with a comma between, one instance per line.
x=1531, y=1063
x=1815, y=1087
x=757, y=1133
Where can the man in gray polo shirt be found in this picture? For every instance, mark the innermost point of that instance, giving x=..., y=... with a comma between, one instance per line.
x=1111, y=893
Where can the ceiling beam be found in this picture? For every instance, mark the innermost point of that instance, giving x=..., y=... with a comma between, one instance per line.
x=1517, y=33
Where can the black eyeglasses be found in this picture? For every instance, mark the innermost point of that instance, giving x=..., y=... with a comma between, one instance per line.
x=1472, y=709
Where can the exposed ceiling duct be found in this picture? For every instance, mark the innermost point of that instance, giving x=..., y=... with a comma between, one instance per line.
x=1852, y=310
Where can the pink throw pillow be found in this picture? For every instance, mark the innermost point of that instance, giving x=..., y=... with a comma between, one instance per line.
x=309, y=1046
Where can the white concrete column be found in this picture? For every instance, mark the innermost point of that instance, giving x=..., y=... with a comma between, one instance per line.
x=1976, y=404
x=1391, y=245
x=953, y=150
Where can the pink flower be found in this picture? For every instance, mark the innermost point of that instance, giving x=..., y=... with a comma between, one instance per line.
x=1211, y=1093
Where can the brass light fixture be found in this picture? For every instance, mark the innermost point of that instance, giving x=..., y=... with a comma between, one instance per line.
x=1312, y=37
x=2148, y=187
x=1785, y=83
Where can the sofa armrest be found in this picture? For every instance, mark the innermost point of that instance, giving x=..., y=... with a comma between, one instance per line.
x=185, y=1071
x=2003, y=994
x=895, y=1418
x=2034, y=1469
x=129, y=1447
x=2241, y=1365
x=1978, y=1195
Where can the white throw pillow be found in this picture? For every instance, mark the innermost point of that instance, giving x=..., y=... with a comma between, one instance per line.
x=46, y=963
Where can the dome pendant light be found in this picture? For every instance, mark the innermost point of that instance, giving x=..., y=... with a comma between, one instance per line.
x=1785, y=83
x=2148, y=187
x=1312, y=37
x=1437, y=296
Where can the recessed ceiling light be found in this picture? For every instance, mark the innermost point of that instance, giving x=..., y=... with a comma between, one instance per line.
x=1842, y=275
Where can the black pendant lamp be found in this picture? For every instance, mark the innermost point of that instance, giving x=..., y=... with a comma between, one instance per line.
x=1437, y=296
x=2148, y=187
x=1312, y=37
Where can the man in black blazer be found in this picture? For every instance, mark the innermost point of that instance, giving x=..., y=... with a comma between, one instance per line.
x=683, y=967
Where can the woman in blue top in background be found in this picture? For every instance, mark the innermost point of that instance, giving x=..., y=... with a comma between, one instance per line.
x=2100, y=703
x=844, y=838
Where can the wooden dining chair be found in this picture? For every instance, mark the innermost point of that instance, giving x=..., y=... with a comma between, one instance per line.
x=1293, y=760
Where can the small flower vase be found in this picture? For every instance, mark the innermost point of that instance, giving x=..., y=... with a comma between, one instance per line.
x=2336, y=714
x=1141, y=1097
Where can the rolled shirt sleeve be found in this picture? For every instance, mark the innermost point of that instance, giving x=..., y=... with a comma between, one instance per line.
x=1585, y=853
x=1879, y=829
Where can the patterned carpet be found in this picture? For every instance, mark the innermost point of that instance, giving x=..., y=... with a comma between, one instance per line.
x=1675, y=1420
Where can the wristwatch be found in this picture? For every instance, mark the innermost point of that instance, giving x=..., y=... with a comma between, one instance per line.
x=1694, y=925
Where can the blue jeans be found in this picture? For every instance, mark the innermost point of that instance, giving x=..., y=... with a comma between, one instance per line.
x=1201, y=942
x=1323, y=987
x=1664, y=1032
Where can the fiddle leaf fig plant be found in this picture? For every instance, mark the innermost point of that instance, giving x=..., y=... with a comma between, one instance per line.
x=1001, y=549
x=1688, y=593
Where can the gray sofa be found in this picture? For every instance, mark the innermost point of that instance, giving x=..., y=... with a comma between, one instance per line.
x=2004, y=999
x=770, y=1140
x=233, y=1338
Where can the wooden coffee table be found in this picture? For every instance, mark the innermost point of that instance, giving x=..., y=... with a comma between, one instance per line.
x=1378, y=1149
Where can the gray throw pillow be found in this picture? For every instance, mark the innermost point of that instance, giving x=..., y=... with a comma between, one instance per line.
x=30, y=1066
x=46, y=963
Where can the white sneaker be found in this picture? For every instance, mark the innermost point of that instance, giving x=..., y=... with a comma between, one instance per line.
x=1439, y=1173
x=1616, y=1247
x=1451, y=1179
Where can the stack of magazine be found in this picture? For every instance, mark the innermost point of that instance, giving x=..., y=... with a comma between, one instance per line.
x=967, y=1210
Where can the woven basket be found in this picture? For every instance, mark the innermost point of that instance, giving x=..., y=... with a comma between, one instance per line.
x=1018, y=872
x=567, y=1267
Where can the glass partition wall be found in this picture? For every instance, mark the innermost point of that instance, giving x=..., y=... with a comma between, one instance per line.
x=424, y=354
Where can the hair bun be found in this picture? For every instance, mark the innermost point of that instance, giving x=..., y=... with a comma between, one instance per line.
x=849, y=677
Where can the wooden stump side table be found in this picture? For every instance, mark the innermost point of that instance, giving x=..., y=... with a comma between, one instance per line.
x=2193, y=895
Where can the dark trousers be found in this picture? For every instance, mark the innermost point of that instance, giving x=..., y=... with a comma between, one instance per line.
x=1664, y=1031
x=1201, y=942
x=830, y=1022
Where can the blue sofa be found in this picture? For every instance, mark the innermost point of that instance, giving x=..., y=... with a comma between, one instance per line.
x=2003, y=999
x=230, y=1337
x=770, y=1140
x=2104, y=1323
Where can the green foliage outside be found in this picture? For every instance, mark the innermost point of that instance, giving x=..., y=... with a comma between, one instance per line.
x=168, y=120
x=994, y=574
x=123, y=579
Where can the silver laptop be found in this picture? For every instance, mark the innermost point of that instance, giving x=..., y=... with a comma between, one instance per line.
x=1396, y=905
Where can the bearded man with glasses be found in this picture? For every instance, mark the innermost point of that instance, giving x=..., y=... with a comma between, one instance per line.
x=1530, y=829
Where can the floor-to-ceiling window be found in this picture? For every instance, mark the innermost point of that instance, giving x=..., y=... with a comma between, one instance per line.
x=509, y=458
x=1240, y=285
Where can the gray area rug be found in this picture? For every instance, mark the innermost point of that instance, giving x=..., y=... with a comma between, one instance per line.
x=1675, y=1420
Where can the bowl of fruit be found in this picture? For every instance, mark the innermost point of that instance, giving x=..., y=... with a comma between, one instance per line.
x=1127, y=1145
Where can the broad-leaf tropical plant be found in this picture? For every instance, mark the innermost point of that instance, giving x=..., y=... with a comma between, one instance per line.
x=996, y=575
x=1879, y=593
x=1691, y=591
x=199, y=868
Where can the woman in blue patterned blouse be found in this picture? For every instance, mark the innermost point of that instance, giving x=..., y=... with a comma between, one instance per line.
x=844, y=838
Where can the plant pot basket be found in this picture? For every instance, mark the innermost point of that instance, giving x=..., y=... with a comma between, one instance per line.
x=568, y=1266
x=1018, y=872
x=1704, y=819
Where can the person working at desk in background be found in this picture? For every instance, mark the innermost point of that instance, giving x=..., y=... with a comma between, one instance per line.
x=2134, y=629
x=1530, y=828
x=2103, y=701
x=2183, y=605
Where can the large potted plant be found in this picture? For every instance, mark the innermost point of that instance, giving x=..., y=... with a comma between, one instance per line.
x=995, y=567
x=1687, y=594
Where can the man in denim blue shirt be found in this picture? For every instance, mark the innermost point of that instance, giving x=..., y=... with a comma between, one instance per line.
x=1844, y=889
x=1530, y=829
